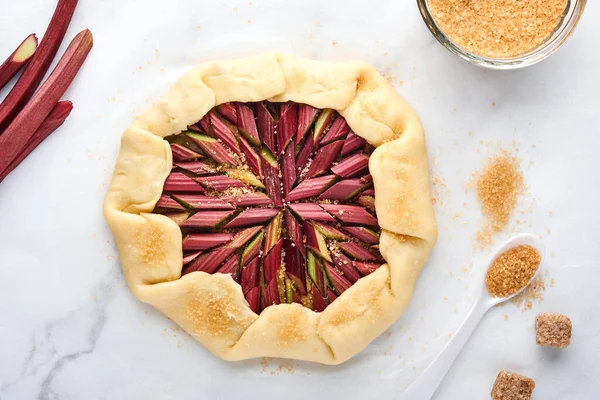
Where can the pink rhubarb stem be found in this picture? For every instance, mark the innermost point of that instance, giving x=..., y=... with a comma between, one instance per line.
x=40, y=62
x=17, y=59
x=53, y=121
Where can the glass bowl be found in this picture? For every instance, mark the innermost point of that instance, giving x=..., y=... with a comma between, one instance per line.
x=567, y=25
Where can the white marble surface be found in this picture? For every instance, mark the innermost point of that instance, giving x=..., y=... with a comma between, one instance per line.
x=69, y=327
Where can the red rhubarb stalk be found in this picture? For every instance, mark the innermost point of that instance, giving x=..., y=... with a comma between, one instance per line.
x=352, y=143
x=15, y=137
x=344, y=190
x=250, y=275
x=53, y=121
x=252, y=250
x=288, y=170
x=324, y=159
x=311, y=211
x=206, y=219
x=252, y=216
x=168, y=204
x=311, y=187
x=202, y=202
x=197, y=167
x=248, y=199
x=352, y=165
x=220, y=182
x=273, y=262
x=271, y=177
x=182, y=153
x=178, y=182
x=266, y=126
x=224, y=132
x=17, y=59
x=228, y=111
x=246, y=123
x=294, y=231
x=350, y=214
x=287, y=126
x=339, y=129
x=37, y=68
x=205, y=241
x=306, y=117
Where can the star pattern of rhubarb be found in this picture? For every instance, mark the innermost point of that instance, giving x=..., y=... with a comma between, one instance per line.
x=277, y=195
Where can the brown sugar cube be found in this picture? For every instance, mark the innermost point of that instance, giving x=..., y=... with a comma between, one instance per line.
x=511, y=386
x=553, y=329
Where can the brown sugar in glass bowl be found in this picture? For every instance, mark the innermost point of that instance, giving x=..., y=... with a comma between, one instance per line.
x=468, y=29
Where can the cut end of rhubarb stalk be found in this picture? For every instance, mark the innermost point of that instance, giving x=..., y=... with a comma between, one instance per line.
x=26, y=50
x=279, y=197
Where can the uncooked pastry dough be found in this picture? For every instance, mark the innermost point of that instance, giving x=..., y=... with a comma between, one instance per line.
x=212, y=308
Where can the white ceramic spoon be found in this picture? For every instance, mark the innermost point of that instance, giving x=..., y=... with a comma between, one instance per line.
x=427, y=383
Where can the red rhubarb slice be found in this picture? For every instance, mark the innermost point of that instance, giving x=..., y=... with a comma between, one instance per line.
x=295, y=265
x=181, y=153
x=352, y=165
x=287, y=126
x=266, y=126
x=251, y=157
x=350, y=214
x=219, y=182
x=246, y=123
x=311, y=188
x=357, y=252
x=315, y=271
x=206, y=219
x=345, y=266
x=331, y=296
x=250, y=274
x=166, y=203
x=247, y=199
x=231, y=267
x=196, y=167
x=330, y=232
x=272, y=262
x=178, y=182
x=213, y=148
x=201, y=202
x=205, y=125
x=178, y=218
x=205, y=241
x=306, y=117
x=252, y=249
x=17, y=59
x=252, y=216
x=369, y=192
x=294, y=231
x=189, y=257
x=273, y=233
x=27, y=122
x=37, y=68
x=318, y=302
x=271, y=177
x=366, y=268
x=324, y=158
x=253, y=299
x=336, y=279
x=352, y=143
x=271, y=294
x=288, y=170
x=367, y=202
x=344, y=190
x=339, y=129
x=228, y=111
x=315, y=241
x=322, y=124
x=363, y=234
x=243, y=236
x=223, y=131
x=303, y=157
x=310, y=211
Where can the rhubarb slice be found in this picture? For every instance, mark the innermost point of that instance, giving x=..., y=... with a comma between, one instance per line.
x=303, y=157
x=273, y=233
x=251, y=157
x=213, y=148
x=366, y=268
x=352, y=165
x=196, y=167
x=230, y=267
x=244, y=199
x=252, y=249
x=311, y=187
x=315, y=241
x=167, y=204
x=271, y=177
x=246, y=123
x=331, y=296
x=363, y=234
x=310, y=211
x=350, y=214
x=315, y=271
x=345, y=266
x=271, y=294
x=322, y=124
x=294, y=231
x=228, y=111
x=20, y=131
x=266, y=126
x=244, y=176
x=357, y=252
x=306, y=117
x=223, y=131
x=330, y=232
x=219, y=182
x=201, y=202
x=54, y=88
x=252, y=216
x=318, y=302
x=337, y=281
x=178, y=218
x=253, y=299
x=181, y=153
x=339, y=129
x=324, y=158
x=288, y=170
x=206, y=219
x=178, y=182
x=367, y=202
x=295, y=265
x=205, y=125
x=205, y=241
x=369, y=192
x=189, y=257
x=352, y=143
x=344, y=190
x=17, y=59
x=287, y=126
x=250, y=275
x=272, y=262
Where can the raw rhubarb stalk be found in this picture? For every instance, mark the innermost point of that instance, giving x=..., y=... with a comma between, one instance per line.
x=178, y=218
x=252, y=216
x=228, y=111
x=366, y=268
x=266, y=126
x=253, y=299
x=288, y=170
x=244, y=176
x=178, y=182
x=350, y=214
x=338, y=282
x=363, y=234
x=17, y=59
x=315, y=241
x=182, y=153
x=330, y=231
x=209, y=262
x=306, y=117
x=230, y=267
x=367, y=202
x=252, y=158
x=315, y=271
x=311, y=211
x=224, y=132
x=303, y=156
x=273, y=233
x=369, y=192
x=15, y=137
x=201, y=202
x=252, y=249
x=287, y=126
x=295, y=265
x=53, y=121
x=272, y=262
x=294, y=231
x=352, y=143
x=339, y=129
x=248, y=199
x=219, y=182
x=271, y=294
x=271, y=177
x=246, y=123
x=195, y=128
x=344, y=190
x=318, y=302
x=37, y=68
x=205, y=125
x=322, y=124
x=189, y=257
x=351, y=166
x=357, y=252
x=311, y=187
x=243, y=236
x=345, y=266
x=331, y=296
x=250, y=274
x=213, y=148
x=205, y=241
x=196, y=167
x=324, y=158
x=168, y=204
x=206, y=219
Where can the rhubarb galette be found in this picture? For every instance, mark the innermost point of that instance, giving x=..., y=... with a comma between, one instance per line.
x=275, y=207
